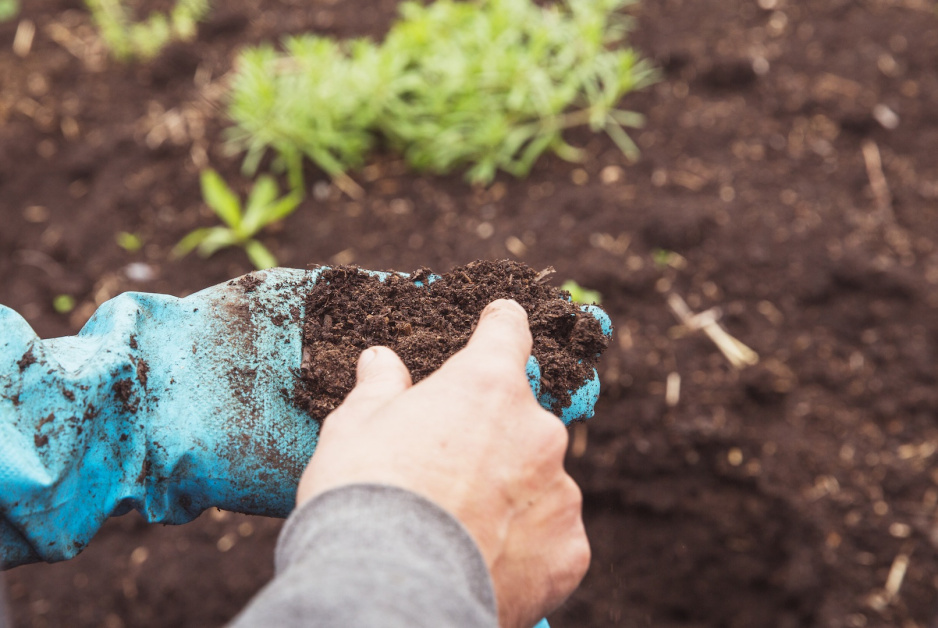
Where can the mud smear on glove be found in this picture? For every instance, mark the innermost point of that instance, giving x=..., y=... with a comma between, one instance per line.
x=349, y=310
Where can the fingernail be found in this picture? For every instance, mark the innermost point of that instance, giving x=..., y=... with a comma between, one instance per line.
x=367, y=356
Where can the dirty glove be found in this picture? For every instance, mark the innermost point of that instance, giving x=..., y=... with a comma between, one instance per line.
x=163, y=405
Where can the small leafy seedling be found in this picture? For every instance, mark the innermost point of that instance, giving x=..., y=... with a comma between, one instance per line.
x=129, y=39
x=130, y=242
x=579, y=294
x=664, y=258
x=661, y=257
x=9, y=9
x=263, y=208
x=63, y=303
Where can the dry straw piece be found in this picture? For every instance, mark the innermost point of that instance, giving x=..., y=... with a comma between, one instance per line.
x=739, y=355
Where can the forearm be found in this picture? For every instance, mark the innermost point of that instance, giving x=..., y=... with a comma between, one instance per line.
x=164, y=405
x=372, y=555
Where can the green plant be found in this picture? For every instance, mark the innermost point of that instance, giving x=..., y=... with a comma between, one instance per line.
x=579, y=294
x=488, y=85
x=664, y=258
x=316, y=99
x=129, y=39
x=263, y=208
x=130, y=242
x=63, y=303
x=661, y=257
x=9, y=9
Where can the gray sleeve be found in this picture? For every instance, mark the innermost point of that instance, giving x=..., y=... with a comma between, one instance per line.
x=370, y=555
x=3, y=606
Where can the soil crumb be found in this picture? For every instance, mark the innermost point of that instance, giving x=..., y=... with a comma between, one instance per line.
x=26, y=361
x=250, y=282
x=123, y=391
x=349, y=310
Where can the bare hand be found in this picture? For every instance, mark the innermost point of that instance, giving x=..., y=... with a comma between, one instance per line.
x=473, y=439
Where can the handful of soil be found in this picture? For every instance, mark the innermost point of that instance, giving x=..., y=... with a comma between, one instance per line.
x=349, y=310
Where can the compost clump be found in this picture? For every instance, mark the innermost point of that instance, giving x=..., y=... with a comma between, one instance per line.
x=425, y=322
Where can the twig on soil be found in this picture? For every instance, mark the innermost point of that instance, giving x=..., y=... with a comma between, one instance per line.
x=739, y=355
x=544, y=274
x=348, y=185
x=896, y=575
x=672, y=391
x=23, y=40
x=874, y=170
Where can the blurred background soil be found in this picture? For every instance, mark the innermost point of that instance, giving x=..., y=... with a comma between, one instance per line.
x=782, y=495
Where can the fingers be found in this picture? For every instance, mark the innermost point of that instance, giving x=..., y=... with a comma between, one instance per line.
x=381, y=376
x=502, y=333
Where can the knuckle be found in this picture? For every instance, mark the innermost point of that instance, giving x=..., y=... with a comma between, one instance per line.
x=581, y=556
x=575, y=496
x=572, y=565
x=578, y=546
x=555, y=434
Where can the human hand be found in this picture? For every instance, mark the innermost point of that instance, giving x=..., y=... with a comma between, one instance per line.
x=473, y=439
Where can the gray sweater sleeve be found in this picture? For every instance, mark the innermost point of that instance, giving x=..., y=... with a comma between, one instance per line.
x=378, y=556
x=3, y=606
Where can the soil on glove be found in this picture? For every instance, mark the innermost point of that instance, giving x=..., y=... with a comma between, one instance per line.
x=425, y=322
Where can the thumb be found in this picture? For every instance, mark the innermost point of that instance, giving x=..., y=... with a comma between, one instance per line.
x=381, y=376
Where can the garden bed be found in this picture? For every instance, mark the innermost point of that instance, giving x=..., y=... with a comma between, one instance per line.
x=784, y=494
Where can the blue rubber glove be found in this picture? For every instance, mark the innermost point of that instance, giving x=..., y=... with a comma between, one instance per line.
x=167, y=406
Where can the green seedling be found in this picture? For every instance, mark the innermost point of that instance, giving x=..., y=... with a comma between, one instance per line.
x=664, y=258
x=63, y=303
x=661, y=257
x=487, y=85
x=263, y=208
x=130, y=242
x=129, y=39
x=9, y=9
x=579, y=294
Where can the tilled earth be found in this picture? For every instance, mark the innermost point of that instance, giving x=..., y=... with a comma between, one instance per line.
x=788, y=177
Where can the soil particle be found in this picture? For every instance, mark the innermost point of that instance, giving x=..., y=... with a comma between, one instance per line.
x=350, y=310
x=90, y=414
x=250, y=282
x=45, y=421
x=123, y=391
x=144, y=471
x=133, y=342
x=27, y=360
x=142, y=372
x=40, y=439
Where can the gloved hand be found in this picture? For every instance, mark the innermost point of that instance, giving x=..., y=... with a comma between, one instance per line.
x=167, y=406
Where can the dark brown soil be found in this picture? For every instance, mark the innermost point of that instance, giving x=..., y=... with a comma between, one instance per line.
x=349, y=310
x=780, y=495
